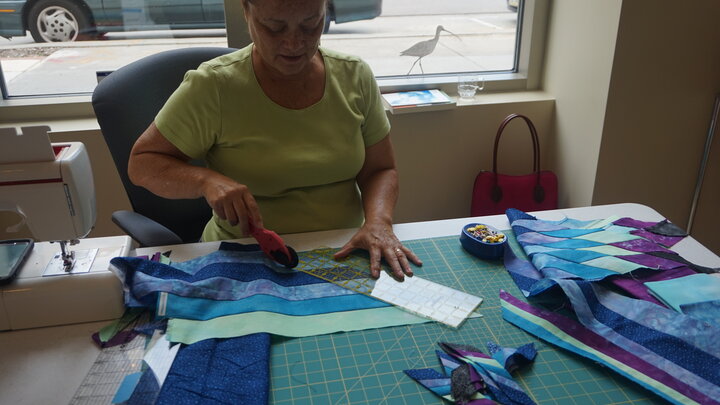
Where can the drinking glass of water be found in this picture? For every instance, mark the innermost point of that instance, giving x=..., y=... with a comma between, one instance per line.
x=468, y=85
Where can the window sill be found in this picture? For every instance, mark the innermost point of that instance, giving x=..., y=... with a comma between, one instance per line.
x=75, y=113
x=37, y=109
x=487, y=99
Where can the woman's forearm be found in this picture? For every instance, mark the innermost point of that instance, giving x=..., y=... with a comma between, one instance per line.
x=168, y=176
x=379, y=195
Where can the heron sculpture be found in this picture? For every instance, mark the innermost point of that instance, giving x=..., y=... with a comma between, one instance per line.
x=424, y=48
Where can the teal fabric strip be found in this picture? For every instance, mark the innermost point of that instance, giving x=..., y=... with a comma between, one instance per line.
x=175, y=306
x=570, y=233
x=686, y=290
x=570, y=244
x=190, y=331
x=542, y=261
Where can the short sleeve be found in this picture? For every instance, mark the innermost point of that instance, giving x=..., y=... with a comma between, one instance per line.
x=190, y=119
x=376, y=125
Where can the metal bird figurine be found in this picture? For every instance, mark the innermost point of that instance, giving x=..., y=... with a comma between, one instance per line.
x=424, y=48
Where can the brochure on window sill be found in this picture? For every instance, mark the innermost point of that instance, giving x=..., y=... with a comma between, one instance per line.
x=416, y=101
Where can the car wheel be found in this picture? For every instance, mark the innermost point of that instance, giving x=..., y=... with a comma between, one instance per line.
x=59, y=21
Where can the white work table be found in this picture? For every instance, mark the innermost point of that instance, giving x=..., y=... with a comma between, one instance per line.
x=47, y=365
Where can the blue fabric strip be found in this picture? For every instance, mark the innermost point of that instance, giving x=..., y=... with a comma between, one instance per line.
x=707, y=311
x=234, y=271
x=579, y=270
x=523, y=272
x=487, y=374
x=586, y=313
x=146, y=391
x=592, y=347
x=220, y=371
x=204, y=309
x=652, y=345
x=221, y=288
x=668, y=346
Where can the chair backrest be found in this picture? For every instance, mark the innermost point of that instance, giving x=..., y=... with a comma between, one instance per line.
x=125, y=103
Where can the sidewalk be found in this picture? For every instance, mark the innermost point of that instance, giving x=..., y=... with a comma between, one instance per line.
x=486, y=42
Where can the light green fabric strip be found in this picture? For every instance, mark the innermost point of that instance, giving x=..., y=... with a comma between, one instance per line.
x=613, y=264
x=190, y=331
x=110, y=330
x=602, y=223
x=610, y=250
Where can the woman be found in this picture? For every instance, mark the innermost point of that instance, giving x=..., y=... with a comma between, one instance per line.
x=295, y=137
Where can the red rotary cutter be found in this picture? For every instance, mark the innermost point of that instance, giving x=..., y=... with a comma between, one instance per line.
x=273, y=246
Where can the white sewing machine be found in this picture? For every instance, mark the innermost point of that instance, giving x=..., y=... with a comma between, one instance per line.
x=50, y=185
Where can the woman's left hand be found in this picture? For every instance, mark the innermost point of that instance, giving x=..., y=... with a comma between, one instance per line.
x=380, y=241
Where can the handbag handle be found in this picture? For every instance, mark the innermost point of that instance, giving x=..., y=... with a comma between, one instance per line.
x=538, y=191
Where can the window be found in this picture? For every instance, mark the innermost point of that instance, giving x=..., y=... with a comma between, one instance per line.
x=440, y=39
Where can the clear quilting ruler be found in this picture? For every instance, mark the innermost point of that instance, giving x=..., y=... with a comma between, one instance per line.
x=415, y=294
x=108, y=371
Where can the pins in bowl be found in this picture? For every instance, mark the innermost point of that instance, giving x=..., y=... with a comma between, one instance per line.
x=483, y=241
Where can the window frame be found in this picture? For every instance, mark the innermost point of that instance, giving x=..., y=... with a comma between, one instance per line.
x=530, y=46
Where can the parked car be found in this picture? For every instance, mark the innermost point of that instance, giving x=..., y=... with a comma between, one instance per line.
x=72, y=20
x=513, y=5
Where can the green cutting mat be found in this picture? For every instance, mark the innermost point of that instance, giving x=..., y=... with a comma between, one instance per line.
x=366, y=367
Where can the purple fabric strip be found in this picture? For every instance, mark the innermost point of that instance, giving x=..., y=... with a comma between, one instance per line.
x=640, y=245
x=652, y=262
x=667, y=241
x=633, y=284
x=601, y=344
x=120, y=338
x=633, y=223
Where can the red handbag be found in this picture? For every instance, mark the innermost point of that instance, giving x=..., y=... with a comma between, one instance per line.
x=494, y=193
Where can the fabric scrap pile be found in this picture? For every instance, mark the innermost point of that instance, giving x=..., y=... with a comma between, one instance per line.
x=593, y=274
x=472, y=377
x=221, y=308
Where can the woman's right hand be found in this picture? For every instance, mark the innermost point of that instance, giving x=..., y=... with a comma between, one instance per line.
x=159, y=166
x=232, y=201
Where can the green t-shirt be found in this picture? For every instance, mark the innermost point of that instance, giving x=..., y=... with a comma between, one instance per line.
x=300, y=165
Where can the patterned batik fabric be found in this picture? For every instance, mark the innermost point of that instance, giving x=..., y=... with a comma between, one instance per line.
x=612, y=248
x=667, y=352
x=470, y=376
x=235, y=279
x=220, y=371
x=670, y=354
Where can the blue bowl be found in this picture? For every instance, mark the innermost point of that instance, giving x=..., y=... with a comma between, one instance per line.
x=475, y=245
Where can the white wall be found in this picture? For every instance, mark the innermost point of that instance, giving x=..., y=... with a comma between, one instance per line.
x=440, y=153
x=578, y=65
x=665, y=78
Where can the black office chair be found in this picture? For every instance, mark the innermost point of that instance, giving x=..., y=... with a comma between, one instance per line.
x=125, y=103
